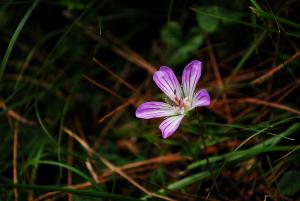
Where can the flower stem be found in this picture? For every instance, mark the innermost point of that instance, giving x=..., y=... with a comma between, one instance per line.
x=206, y=154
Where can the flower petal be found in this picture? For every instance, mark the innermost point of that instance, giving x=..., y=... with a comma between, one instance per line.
x=150, y=110
x=170, y=125
x=190, y=76
x=201, y=98
x=166, y=80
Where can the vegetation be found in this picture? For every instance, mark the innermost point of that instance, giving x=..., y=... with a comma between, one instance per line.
x=73, y=73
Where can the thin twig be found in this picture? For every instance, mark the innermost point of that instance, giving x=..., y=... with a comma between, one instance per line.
x=112, y=167
x=91, y=170
x=103, y=87
x=268, y=104
x=70, y=162
x=276, y=69
x=129, y=86
x=104, y=177
x=217, y=73
x=118, y=109
x=288, y=154
x=15, y=161
x=206, y=156
x=130, y=56
x=13, y=114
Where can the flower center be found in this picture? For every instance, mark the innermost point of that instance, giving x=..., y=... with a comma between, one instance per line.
x=182, y=104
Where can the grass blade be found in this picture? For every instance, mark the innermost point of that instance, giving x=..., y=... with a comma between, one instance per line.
x=15, y=37
x=90, y=193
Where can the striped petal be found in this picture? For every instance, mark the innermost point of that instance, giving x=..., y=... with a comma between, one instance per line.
x=190, y=76
x=149, y=110
x=170, y=125
x=201, y=98
x=166, y=80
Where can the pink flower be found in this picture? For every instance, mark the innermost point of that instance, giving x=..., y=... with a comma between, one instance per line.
x=183, y=97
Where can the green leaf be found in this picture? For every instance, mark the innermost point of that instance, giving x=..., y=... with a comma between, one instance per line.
x=289, y=183
x=184, y=52
x=171, y=34
x=207, y=23
x=228, y=16
x=186, y=181
x=240, y=155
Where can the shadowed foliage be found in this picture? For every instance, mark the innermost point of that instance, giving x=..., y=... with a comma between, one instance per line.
x=73, y=73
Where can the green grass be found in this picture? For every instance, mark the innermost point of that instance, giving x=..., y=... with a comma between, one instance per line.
x=15, y=37
x=47, y=53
